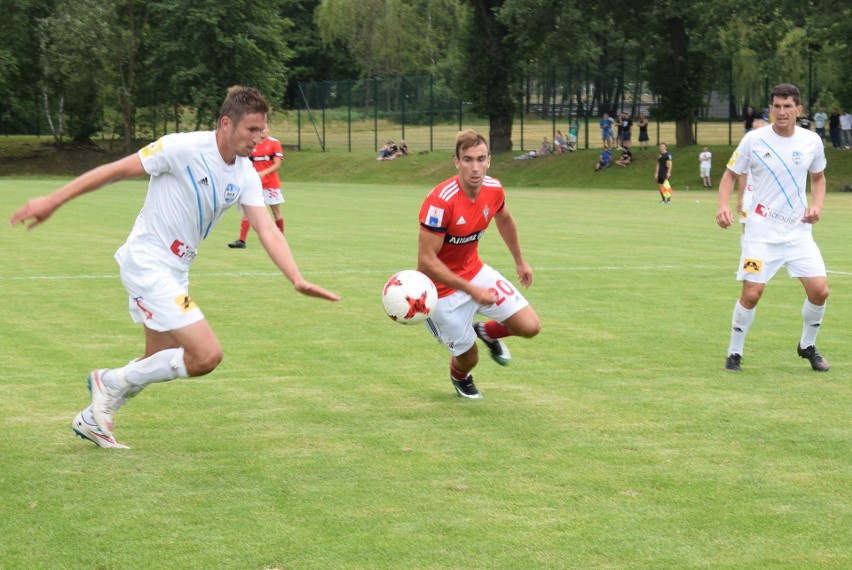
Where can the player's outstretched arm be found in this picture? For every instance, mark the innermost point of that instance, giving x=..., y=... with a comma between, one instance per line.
x=278, y=249
x=38, y=210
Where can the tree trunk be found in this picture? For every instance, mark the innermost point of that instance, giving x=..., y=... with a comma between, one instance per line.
x=500, y=133
x=684, y=133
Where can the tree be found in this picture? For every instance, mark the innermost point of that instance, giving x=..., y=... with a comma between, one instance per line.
x=196, y=49
x=311, y=60
x=127, y=23
x=489, y=72
x=408, y=38
x=73, y=42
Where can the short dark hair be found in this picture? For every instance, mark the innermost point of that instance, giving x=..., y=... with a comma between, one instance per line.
x=785, y=91
x=241, y=101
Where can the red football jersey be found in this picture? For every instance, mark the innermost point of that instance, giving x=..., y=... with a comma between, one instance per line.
x=264, y=156
x=448, y=210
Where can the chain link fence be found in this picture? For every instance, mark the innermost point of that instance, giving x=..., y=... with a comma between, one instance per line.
x=361, y=115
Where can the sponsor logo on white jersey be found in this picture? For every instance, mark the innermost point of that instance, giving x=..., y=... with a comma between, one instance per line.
x=182, y=250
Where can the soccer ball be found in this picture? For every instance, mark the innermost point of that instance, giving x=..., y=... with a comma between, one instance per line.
x=409, y=297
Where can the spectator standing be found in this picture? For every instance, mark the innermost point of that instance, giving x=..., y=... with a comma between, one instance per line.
x=626, y=130
x=643, y=131
x=573, y=134
x=704, y=159
x=845, y=130
x=606, y=130
x=834, y=127
x=820, y=118
x=748, y=119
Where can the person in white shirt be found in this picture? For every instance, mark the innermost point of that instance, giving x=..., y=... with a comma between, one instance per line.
x=194, y=179
x=704, y=162
x=845, y=130
x=820, y=118
x=780, y=157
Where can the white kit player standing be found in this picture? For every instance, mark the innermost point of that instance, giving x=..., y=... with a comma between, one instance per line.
x=779, y=158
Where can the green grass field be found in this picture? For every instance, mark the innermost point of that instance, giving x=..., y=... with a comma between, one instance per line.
x=331, y=438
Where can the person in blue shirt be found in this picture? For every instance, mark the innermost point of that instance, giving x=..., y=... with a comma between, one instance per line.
x=606, y=130
x=605, y=159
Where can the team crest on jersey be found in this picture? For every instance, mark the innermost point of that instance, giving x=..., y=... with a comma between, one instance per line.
x=733, y=159
x=152, y=149
x=185, y=303
x=485, y=212
x=798, y=157
x=434, y=217
x=752, y=265
x=231, y=193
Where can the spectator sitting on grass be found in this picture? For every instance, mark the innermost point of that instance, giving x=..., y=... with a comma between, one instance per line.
x=388, y=152
x=560, y=145
x=605, y=160
x=403, y=149
x=626, y=157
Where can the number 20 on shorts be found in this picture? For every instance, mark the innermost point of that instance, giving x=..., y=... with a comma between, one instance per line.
x=502, y=289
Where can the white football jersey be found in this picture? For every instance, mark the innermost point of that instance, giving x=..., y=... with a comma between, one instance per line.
x=191, y=188
x=778, y=170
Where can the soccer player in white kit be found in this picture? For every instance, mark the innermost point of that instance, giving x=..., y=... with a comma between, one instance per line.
x=194, y=178
x=780, y=157
x=453, y=218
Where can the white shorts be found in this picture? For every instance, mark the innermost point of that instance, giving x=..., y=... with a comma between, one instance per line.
x=760, y=261
x=157, y=295
x=451, y=321
x=272, y=196
x=704, y=171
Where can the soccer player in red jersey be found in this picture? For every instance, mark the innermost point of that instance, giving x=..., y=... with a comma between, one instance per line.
x=453, y=219
x=266, y=159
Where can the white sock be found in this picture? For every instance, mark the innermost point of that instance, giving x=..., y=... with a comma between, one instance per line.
x=160, y=367
x=740, y=324
x=811, y=320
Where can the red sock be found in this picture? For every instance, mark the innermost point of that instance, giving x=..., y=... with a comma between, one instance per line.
x=497, y=330
x=455, y=372
x=280, y=223
x=244, y=228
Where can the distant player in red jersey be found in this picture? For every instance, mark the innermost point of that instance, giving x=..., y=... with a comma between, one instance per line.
x=266, y=159
x=453, y=219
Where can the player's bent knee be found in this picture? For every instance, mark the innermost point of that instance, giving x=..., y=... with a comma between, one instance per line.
x=530, y=329
x=203, y=363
